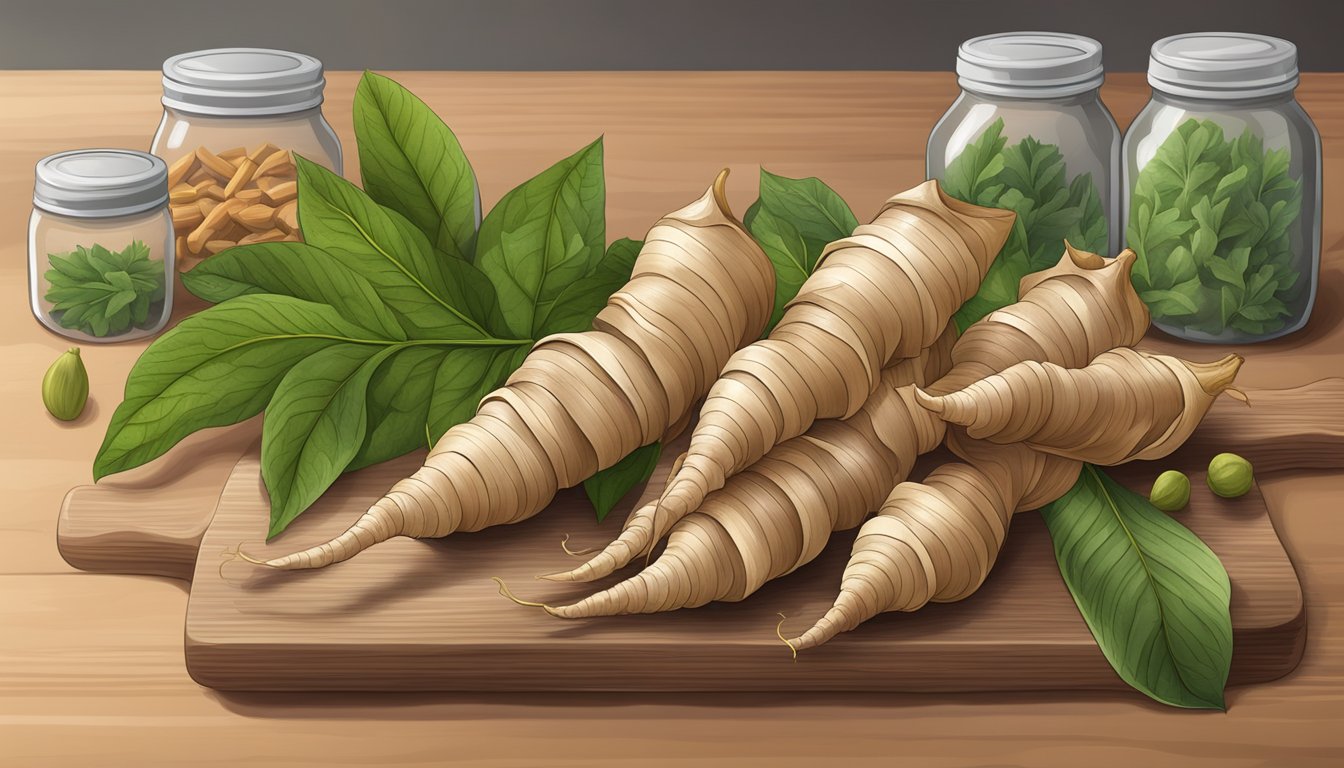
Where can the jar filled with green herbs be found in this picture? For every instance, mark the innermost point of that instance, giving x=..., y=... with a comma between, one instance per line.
x=100, y=245
x=1029, y=132
x=1222, y=174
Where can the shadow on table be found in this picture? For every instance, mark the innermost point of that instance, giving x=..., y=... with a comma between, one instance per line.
x=625, y=705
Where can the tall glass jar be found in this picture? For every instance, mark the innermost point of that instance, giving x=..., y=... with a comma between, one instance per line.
x=231, y=119
x=100, y=245
x=1223, y=190
x=1029, y=132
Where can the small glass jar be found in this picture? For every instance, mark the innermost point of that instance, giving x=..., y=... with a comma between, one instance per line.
x=231, y=119
x=1029, y=132
x=1222, y=174
x=100, y=245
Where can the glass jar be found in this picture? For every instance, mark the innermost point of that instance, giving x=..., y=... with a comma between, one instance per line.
x=1029, y=132
x=1222, y=178
x=100, y=245
x=231, y=119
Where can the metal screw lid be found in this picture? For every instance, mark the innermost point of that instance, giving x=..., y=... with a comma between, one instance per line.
x=100, y=183
x=242, y=82
x=1223, y=65
x=1030, y=64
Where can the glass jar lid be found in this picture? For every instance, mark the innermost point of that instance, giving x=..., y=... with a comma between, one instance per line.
x=100, y=183
x=242, y=82
x=1030, y=64
x=1222, y=65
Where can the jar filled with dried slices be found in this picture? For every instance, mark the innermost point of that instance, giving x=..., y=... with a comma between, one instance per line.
x=232, y=120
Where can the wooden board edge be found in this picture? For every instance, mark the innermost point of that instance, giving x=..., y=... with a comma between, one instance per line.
x=130, y=552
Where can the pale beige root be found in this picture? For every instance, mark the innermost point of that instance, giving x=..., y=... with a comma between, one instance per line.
x=779, y=513
x=936, y=541
x=1068, y=314
x=580, y=402
x=1124, y=406
x=643, y=525
x=882, y=294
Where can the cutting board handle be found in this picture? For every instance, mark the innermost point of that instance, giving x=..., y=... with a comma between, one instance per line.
x=1276, y=429
x=150, y=521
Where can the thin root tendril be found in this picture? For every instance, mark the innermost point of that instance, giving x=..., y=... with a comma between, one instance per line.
x=779, y=632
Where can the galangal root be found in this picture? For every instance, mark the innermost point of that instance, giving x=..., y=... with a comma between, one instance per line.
x=1033, y=329
x=581, y=402
x=882, y=295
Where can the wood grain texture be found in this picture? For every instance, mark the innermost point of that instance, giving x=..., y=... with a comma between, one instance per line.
x=91, y=666
x=425, y=615
x=1277, y=429
x=150, y=520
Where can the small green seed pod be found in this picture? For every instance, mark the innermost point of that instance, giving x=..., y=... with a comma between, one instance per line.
x=1171, y=491
x=65, y=387
x=1230, y=475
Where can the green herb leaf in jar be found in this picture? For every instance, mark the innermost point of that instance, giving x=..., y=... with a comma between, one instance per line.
x=103, y=292
x=1210, y=224
x=1030, y=178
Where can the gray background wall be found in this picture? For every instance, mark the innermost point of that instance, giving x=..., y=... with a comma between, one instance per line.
x=609, y=34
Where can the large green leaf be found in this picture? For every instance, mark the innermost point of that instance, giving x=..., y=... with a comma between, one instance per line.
x=794, y=220
x=463, y=378
x=217, y=367
x=411, y=162
x=1155, y=597
x=544, y=235
x=293, y=269
x=429, y=294
x=577, y=305
x=314, y=425
x=398, y=404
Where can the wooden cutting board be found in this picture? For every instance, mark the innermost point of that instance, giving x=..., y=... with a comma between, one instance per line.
x=425, y=615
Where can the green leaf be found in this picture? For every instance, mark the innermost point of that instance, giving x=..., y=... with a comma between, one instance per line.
x=217, y=367
x=544, y=235
x=978, y=165
x=606, y=488
x=398, y=403
x=314, y=425
x=463, y=378
x=794, y=220
x=293, y=269
x=411, y=162
x=1155, y=597
x=428, y=294
x=74, y=266
x=576, y=306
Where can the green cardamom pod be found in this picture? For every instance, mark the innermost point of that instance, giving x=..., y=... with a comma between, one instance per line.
x=65, y=388
x=1171, y=491
x=1230, y=475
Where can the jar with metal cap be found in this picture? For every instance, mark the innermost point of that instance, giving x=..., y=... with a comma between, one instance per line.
x=232, y=117
x=1222, y=173
x=100, y=245
x=1029, y=132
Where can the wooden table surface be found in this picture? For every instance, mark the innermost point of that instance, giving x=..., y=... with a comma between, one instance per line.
x=91, y=666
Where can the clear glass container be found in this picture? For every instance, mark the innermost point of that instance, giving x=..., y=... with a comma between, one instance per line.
x=232, y=117
x=1222, y=173
x=1029, y=132
x=100, y=245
